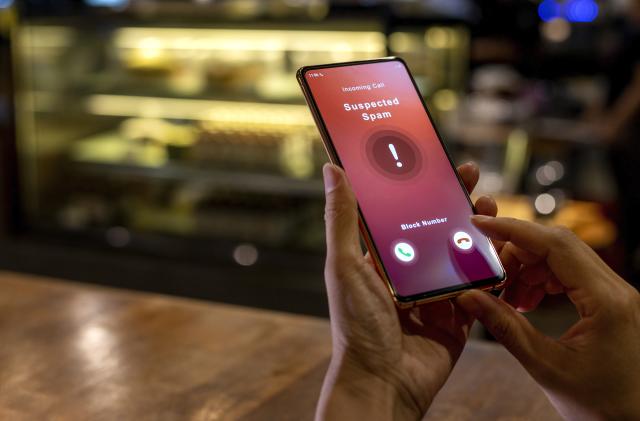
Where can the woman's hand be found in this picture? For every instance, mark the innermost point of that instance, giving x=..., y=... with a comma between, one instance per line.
x=593, y=371
x=386, y=363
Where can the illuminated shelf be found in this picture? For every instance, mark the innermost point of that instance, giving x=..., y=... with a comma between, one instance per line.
x=232, y=180
x=230, y=112
x=153, y=41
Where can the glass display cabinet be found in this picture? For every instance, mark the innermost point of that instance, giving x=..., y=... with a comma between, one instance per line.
x=188, y=138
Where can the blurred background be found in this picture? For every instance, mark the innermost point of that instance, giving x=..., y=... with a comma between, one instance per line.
x=164, y=145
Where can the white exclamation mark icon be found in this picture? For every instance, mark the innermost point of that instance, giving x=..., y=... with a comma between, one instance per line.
x=395, y=154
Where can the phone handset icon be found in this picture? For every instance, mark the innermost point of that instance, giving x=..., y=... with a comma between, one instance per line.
x=404, y=251
x=462, y=240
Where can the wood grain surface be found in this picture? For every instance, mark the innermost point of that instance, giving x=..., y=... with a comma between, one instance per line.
x=76, y=352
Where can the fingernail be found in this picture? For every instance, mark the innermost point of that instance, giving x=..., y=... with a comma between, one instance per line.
x=478, y=219
x=470, y=302
x=331, y=177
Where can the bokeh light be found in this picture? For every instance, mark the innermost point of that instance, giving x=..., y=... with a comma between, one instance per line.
x=545, y=203
x=556, y=30
x=549, y=10
x=581, y=10
x=106, y=3
x=571, y=10
x=245, y=254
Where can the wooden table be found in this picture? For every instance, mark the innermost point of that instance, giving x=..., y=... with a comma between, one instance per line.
x=76, y=352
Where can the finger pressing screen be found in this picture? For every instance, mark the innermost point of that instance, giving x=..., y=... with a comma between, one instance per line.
x=566, y=256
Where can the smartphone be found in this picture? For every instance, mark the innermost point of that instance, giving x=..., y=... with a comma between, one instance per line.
x=414, y=209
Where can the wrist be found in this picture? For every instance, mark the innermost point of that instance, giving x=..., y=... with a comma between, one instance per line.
x=352, y=392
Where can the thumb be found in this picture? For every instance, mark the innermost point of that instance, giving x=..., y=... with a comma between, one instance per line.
x=508, y=327
x=340, y=214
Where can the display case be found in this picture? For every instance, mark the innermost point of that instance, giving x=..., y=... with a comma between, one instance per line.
x=188, y=139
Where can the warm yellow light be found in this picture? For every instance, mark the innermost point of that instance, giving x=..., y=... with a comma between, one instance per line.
x=516, y=158
x=439, y=37
x=296, y=155
x=253, y=40
x=150, y=47
x=32, y=37
x=404, y=42
x=201, y=110
x=445, y=100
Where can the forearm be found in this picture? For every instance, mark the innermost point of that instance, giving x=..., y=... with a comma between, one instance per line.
x=349, y=392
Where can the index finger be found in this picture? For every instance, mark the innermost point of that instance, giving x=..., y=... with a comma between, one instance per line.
x=574, y=264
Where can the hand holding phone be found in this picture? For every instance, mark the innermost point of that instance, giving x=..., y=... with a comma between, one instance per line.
x=413, y=208
x=386, y=364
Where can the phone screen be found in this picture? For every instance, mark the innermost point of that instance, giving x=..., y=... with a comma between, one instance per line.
x=411, y=200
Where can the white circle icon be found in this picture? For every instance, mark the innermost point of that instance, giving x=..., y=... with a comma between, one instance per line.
x=462, y=240
x=404, y=252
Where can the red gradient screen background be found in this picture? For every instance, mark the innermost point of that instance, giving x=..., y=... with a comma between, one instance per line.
x=386, y=202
